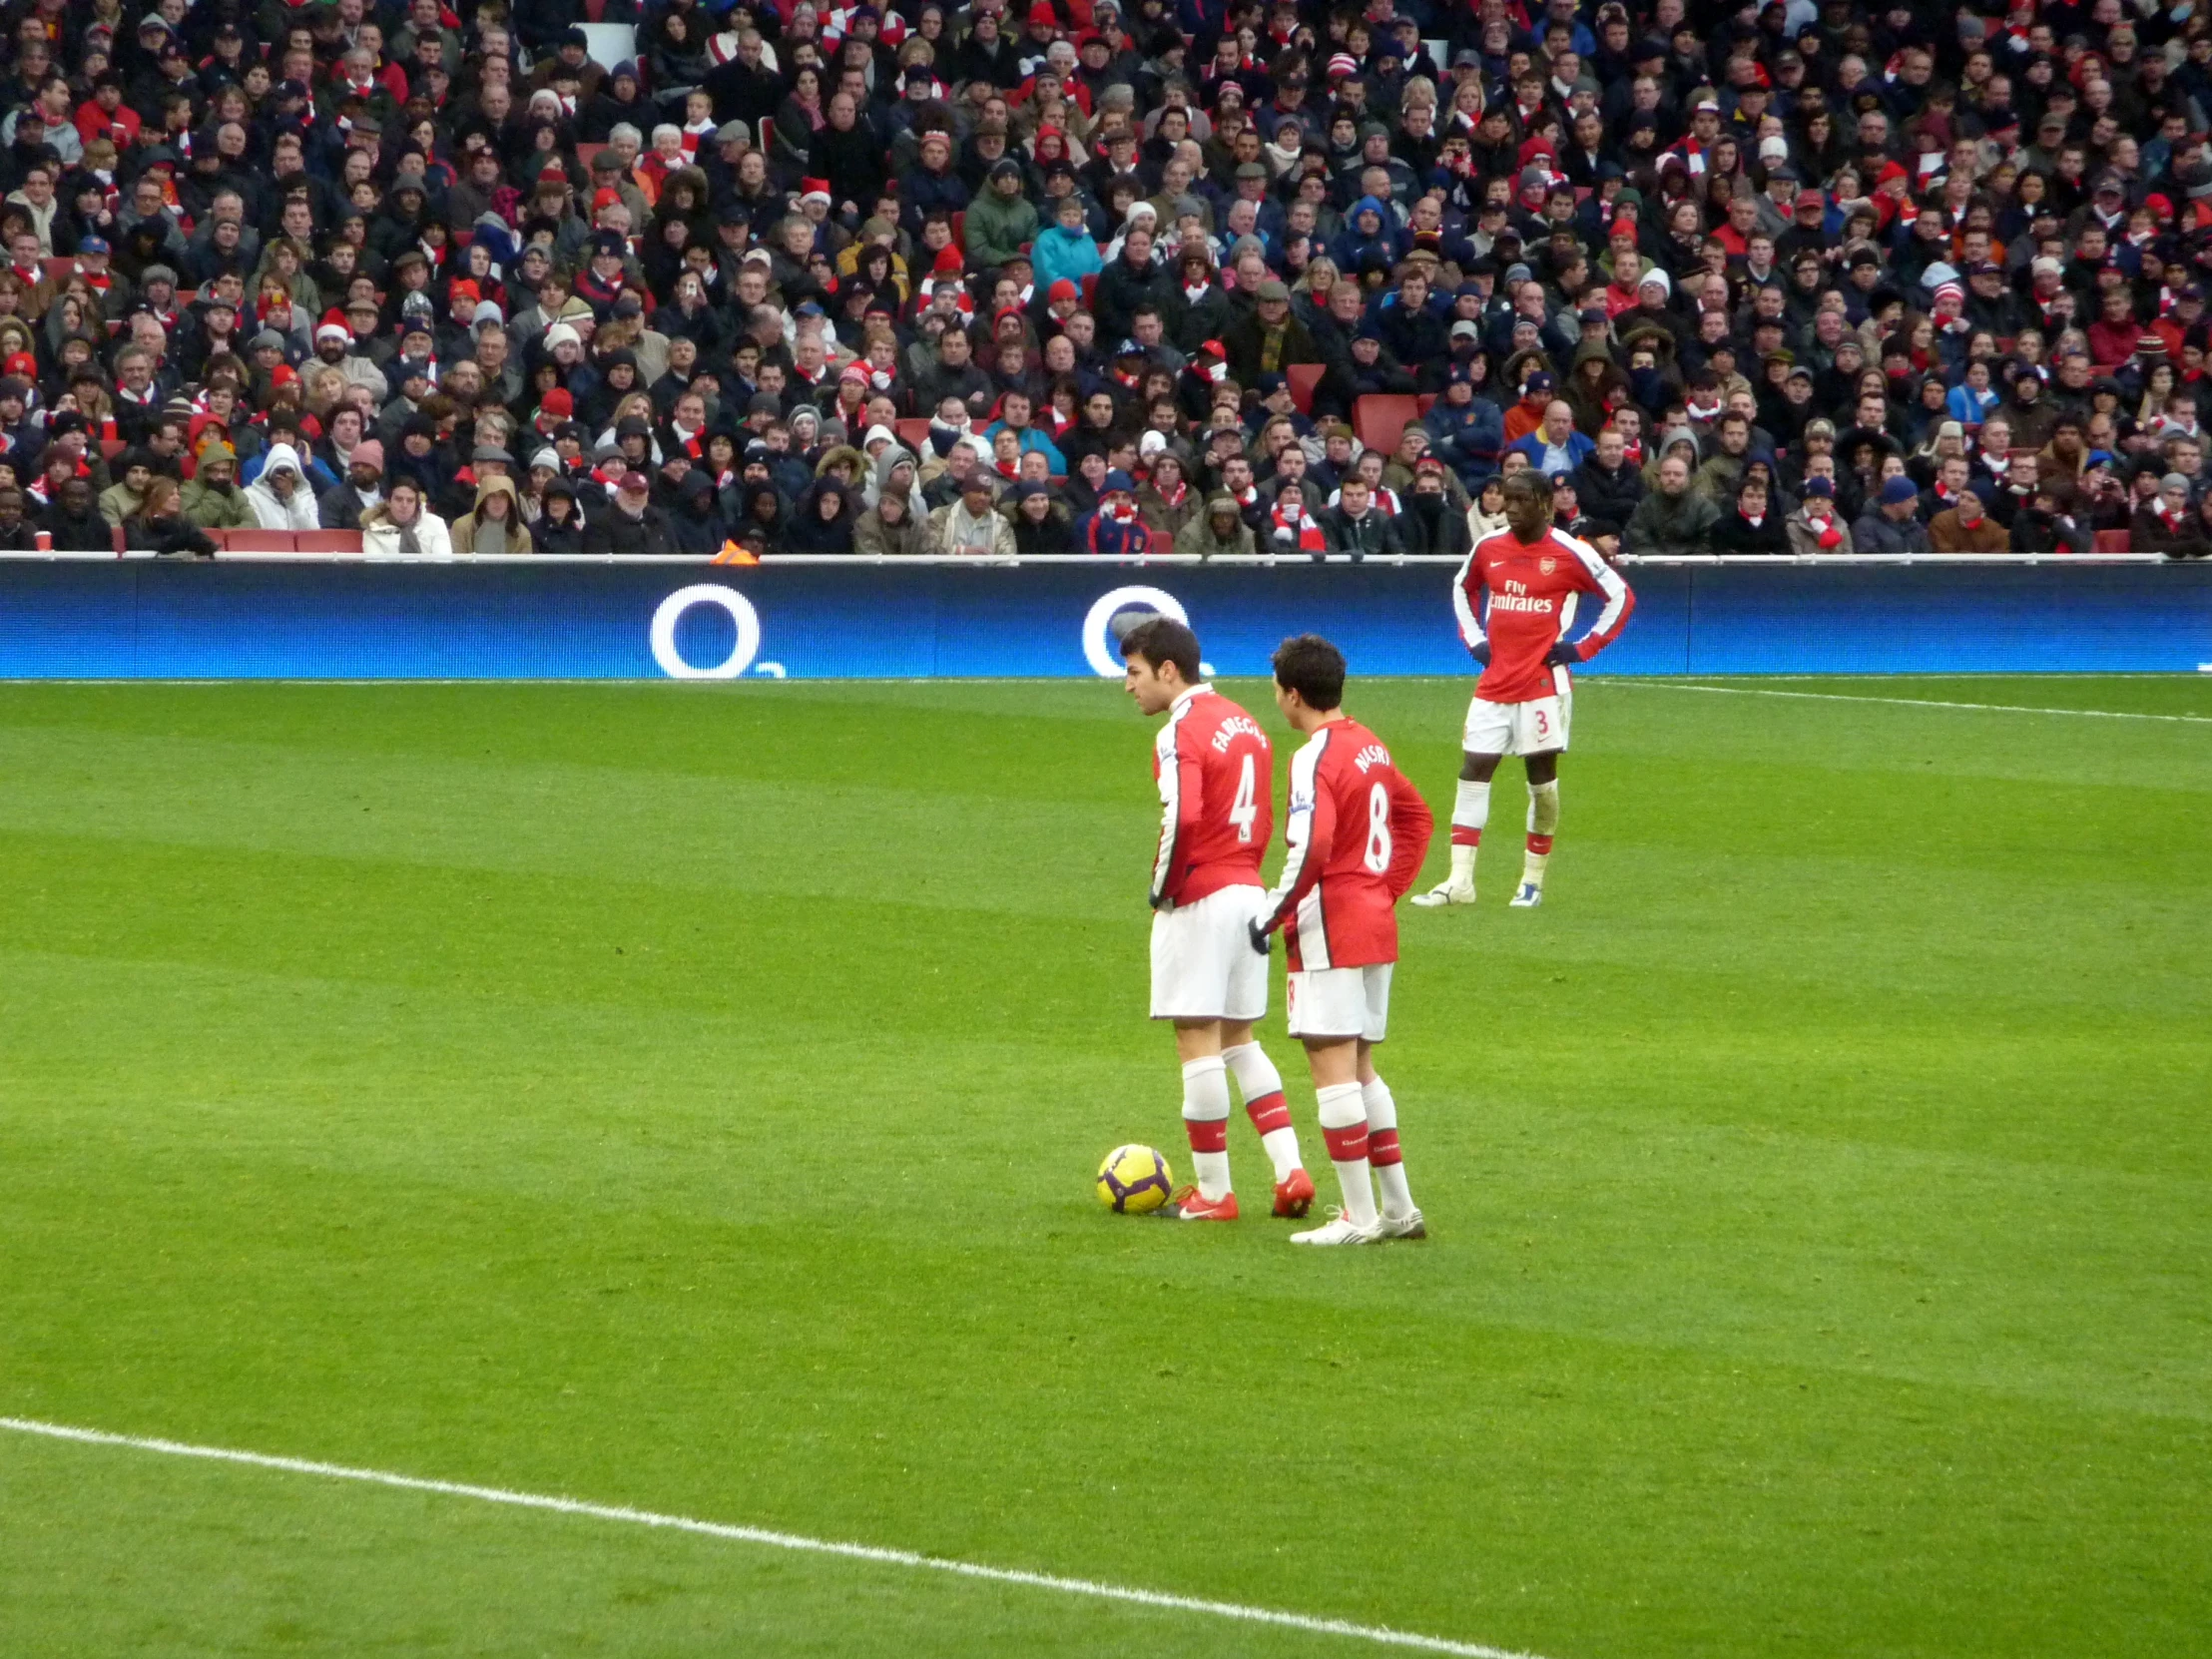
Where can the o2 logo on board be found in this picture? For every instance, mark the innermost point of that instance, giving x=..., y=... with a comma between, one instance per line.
x=742, y=617
x=1118, y=611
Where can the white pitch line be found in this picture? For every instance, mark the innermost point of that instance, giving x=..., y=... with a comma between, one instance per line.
x=1901, y=702
x=1381, y=1635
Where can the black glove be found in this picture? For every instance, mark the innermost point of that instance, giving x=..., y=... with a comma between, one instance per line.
x=1480, y=652
x=1259, y=937
x=1562, y=655
x=1159, y=901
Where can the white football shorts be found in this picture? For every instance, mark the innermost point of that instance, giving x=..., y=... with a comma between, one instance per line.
x=1340, y=1001
x=1203, y=964
x=1533, y=728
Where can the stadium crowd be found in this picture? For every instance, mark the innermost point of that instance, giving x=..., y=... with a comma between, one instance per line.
x=1105, y=275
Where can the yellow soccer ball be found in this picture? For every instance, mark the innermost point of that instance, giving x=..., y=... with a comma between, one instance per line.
x=1134, y=1180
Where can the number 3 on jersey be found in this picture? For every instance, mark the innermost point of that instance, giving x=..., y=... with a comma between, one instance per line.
x=1379, y=830
x=1245, y=809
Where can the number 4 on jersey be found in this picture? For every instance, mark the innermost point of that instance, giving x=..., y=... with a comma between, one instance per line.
x=1245, y=809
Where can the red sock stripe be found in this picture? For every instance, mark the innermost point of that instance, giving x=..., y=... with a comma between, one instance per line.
x=1207, y=1134
x=1463, y=837
x=1269, y=1113
x=1383, y=1147
x=1539, y=845
x=1347, y=1146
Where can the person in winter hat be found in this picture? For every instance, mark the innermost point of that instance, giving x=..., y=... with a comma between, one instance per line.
x=1117, y=529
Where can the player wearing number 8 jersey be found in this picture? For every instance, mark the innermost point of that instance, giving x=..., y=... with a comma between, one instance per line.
x=1516, y=597
x=1216, y=773
x=1358, y=832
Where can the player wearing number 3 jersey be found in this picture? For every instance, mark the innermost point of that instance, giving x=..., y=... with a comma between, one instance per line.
x=1357, y=833
x=1216, y=772
x=1516, y=597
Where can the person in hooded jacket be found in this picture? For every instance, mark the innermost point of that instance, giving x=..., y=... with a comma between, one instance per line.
x=695, y=518
x=822, y=521
x=894, y=472
x=560, y=525
x=496, y=524
x=1368, y=240
x=279, y=497
x=1218, y=532
x=213, y=501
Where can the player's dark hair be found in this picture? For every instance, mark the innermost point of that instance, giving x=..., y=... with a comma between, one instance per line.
x=1161, y=640
x=1313, y=668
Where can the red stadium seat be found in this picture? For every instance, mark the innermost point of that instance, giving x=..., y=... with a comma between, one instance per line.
x=256, y=541
x=584, y=153
x=1090, y=289
x=110, y=448
x=2112, y=541
x=119, y=540
x=1303, y=377
x=914, y=432
x=594, y=10
x=58, y=267
x=1378, y=418
x=960, y=232
x=328, y=541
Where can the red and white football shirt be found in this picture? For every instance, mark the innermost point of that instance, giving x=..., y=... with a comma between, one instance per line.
x=1216, y=769
x=1522, y=599
x=1357, y=832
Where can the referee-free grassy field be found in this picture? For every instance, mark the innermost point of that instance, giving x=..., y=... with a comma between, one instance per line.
x=684, y=1098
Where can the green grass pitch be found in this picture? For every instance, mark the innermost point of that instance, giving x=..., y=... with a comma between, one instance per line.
x=686, y=1098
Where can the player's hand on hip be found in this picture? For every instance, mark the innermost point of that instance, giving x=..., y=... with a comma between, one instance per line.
x=1480, y=652
x=1258, y=934
x=1160, y=901
x=1562, y=655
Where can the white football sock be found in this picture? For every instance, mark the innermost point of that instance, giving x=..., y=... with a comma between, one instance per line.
x=1543, y=819
x=1262, y=1087
x=1382, y=1150
x=1343, y=1124
x=1470, y=810
x=1206, y=1119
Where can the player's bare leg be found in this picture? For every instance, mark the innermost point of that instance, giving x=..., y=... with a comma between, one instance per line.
x=1334, y=1063
x=1543, y=823
x=1471, y=812
x=1262, y=1087
x=1205, y=1120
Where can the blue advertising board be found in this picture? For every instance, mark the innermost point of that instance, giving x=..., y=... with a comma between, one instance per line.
x=534, y=619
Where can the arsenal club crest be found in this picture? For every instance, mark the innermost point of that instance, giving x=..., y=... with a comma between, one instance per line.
x=1547, y=565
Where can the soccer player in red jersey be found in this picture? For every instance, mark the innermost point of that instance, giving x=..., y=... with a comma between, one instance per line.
x=1357, y=832
x=1216, y=771
x=1533, y=576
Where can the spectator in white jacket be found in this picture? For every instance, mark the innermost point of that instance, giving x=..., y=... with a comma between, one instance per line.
x=402, y=527
x=279, y=497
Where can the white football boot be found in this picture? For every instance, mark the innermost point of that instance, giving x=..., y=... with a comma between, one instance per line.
x=1340, y=1229
x=1525, y=898
x=1446, y=892
x=1409, y=1226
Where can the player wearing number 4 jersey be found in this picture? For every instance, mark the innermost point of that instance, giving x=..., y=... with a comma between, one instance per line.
x=1216, y=773
x=1531, y=577
x=1357, y=833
